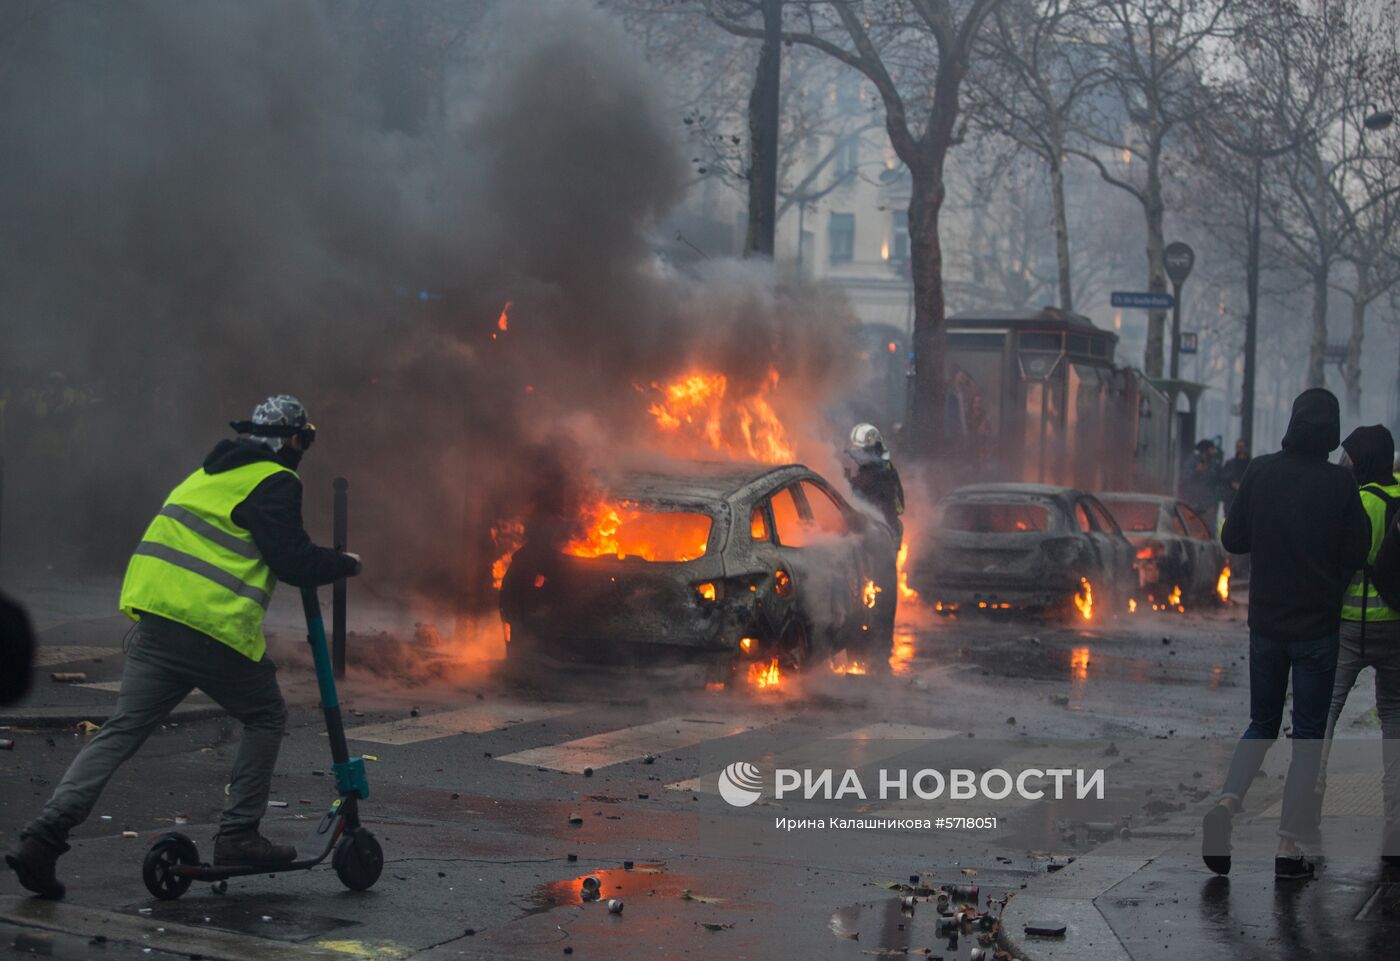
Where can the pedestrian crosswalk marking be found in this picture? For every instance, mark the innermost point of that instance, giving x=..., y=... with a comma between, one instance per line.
x=478, y=719
x=67, y=653
x=630, y=743
x=879, y=742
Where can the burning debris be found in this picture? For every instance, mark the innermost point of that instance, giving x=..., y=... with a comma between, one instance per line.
x=1084, y=599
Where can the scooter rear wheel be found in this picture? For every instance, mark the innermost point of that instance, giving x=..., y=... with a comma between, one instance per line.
x=157, y=870
x=358, y=860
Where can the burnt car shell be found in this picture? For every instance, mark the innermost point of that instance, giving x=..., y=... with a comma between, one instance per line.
x=1178, y=550
x=610, y=610
x=1036, y=568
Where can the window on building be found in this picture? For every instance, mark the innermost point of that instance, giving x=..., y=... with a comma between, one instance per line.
x=900, y=229
x=843, y=165
x=841, y=238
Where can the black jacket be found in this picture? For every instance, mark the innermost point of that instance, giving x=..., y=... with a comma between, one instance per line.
x=876, y=482
x=271, y=513
x=1301, y=520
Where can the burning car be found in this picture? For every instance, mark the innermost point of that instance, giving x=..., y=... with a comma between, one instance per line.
x=734, y=563
x=1175, y=552
x=1003, y=547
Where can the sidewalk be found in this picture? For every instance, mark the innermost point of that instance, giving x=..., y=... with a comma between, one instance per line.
x=1150, y=897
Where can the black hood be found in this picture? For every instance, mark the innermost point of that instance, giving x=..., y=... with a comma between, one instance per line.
x=228, y=454
x=1372, y=453
x=1315, y=429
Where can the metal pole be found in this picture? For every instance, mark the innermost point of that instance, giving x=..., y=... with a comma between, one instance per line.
x=1251, y=321
x=339, y=527
x=1176, y=330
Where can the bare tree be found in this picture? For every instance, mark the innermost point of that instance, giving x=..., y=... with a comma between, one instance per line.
x=1327, y=192
x=1153, y=52
x=916, y=54
x=1033, y=71
x=1373, y=250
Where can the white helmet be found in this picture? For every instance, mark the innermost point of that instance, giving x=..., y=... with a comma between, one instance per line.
x=867, y=437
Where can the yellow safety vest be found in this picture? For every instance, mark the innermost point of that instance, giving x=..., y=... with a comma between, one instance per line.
x=1370, y=600
x=196, y=566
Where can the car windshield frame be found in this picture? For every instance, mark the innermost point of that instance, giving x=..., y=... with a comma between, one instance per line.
x=1045, y=505
x=1113, y=505
x=714, y=535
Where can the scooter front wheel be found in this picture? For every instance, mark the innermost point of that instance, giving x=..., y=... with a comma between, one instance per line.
x=157, y=870
x=358, y=860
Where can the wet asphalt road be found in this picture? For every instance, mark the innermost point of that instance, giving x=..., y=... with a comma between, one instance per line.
x=477, y=777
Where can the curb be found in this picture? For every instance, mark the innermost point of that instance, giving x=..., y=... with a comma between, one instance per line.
x=60, y=717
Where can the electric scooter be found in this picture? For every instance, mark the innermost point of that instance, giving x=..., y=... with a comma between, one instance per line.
x=172, y=864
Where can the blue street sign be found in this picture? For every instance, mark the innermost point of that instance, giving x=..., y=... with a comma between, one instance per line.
x=1142, y=301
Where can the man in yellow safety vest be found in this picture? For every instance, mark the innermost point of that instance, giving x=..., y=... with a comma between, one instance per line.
x=1370, y=635
x=198, y=586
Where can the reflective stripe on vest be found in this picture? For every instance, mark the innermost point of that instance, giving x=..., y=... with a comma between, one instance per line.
x=1356, y=601
x=196, y=566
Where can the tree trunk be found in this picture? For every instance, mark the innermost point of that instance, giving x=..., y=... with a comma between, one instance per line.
x=1057, y=196
x=1317, y=350
x=764, y=116
x=1352, y=374
x=1155, y=211
x=925, y=430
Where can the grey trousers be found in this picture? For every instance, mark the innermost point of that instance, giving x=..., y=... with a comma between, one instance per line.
x=1383, y=654
x=165, y=661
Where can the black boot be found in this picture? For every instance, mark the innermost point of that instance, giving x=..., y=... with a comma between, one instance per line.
x=248, y=847
x=1215, y=838
x=34, y=862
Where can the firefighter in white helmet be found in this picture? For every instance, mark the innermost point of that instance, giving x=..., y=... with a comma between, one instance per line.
x=873, y=476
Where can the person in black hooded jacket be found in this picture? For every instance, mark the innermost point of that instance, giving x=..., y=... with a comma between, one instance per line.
x=1301, y=521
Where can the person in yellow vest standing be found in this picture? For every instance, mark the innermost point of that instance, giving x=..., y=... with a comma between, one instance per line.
x=1370, y=632
x=198, y=586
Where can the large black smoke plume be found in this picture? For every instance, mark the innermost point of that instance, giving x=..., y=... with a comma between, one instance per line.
x=207, y=202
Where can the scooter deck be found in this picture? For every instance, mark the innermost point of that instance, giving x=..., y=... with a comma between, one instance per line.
x=212, y=872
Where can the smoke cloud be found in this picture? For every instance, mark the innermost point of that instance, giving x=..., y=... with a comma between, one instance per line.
x=205, y=203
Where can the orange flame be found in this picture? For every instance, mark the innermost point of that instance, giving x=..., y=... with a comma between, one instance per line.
x=1132, y=605
x=847, y=667
x=699, y=409
x=624, y=529
x=1174, y=598
x=503, y=321
x=763, y=676
x=869, y=592
x=1084, y=600
x=906, y=593
x=1222, y=586
x=507, y=537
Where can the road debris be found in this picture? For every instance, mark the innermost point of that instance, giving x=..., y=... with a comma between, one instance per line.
x=1045, y=929
x=575, y=818
x=87, y=727
x=130, y=834
x=589, y=887
x=68, y=677
x=6, y=744
x=615, y=905
x=715, y=925
x=689, y=895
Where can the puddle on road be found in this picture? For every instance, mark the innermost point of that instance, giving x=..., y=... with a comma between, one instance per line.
x=641, y=881
x=885, y=929
x=1085, y=664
